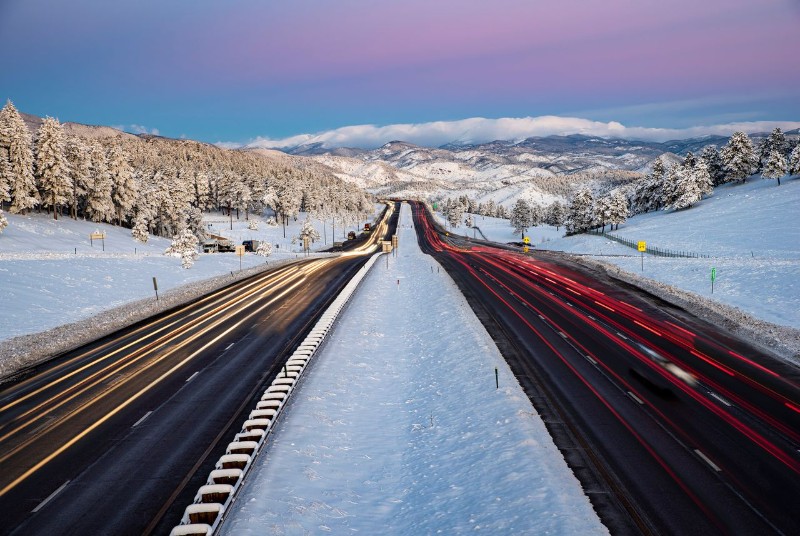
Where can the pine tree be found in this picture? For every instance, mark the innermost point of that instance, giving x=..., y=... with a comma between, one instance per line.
x=618, y=209
x=5, y=177
x=556, y=213
x=139, y=231
x=3, y=221
x=739, y=158
x=520, y=217
x=581, y=212
x=794, y=161
x=702, y=177
x=264, y=249
x=776, y=167
x=537, y=214
x=184, y=246
x=124, y=189
x=673, y=184
x=24, y=195
x=715, y=166
x=79, y=168
x=52, y=168
x=603, y=211
x=99, y=205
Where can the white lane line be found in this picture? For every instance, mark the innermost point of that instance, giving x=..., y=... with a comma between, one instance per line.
x=140, y=421
x=564, y=335
x=228, y=347
x=50, y=497
x=190, y=378
x=715, y=395
x=592, y=361
x=709, y=462
x=636, y=398
x=619, y=334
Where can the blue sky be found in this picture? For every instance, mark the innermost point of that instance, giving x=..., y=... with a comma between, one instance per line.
x=242, y=70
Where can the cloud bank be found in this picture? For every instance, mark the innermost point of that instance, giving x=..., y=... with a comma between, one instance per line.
x=481, y=130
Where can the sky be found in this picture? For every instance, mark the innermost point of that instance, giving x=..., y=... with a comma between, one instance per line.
x=245, y=71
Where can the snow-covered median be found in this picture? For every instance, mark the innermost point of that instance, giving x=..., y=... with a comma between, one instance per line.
x=399, y=429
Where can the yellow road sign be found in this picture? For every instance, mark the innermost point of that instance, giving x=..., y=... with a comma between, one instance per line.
x=240, y=251
x=527, y=239
x=642, y=246
x=525, y=249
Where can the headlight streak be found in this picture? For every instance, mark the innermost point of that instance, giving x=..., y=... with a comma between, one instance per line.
x=224, y=306
x=298, y=273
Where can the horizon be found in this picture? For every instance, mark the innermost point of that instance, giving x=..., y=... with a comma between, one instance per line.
x=250, y=71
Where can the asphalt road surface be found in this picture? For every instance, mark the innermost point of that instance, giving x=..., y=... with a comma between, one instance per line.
x=672, y=426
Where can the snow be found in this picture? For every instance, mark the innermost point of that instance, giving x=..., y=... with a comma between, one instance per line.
x=378, y=438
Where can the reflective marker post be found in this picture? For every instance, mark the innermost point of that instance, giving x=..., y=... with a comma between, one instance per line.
x=642, y=246
x=713, y=278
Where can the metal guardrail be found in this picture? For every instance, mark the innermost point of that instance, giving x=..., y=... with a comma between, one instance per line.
x=652, y=250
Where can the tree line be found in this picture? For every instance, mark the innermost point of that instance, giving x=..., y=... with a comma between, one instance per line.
x=157, y=185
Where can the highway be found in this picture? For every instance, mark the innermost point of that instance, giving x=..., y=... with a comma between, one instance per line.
x=115, y=437
x=671, y=425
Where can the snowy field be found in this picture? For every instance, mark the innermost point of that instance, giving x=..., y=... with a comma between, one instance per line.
x=399, y=428
x=751, y=233
x=53, y=275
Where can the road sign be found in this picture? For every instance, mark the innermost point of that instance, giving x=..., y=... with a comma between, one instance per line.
x=97, y=235
x=525, y=249
x=527, y=240
x=713, y=274
x=240, y=251
x=642, y=245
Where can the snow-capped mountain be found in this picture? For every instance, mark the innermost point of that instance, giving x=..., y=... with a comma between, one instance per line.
x=541, y=168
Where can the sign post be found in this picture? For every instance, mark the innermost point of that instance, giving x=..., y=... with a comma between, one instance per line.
x=240, y=253
x=155, y=287
x=713, y=278
x=97, y=235
x=642, y=246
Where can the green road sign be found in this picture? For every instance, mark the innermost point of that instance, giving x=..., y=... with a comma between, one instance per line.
x=713, y=274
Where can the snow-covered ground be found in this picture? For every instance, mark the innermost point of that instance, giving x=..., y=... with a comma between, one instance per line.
x=751, y=233
x=398, y=428
x=53, y=275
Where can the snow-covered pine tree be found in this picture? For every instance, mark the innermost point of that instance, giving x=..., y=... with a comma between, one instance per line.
x=618, y=209
x=52, y=168
x=307, y=231
x=5, y=177
x=715, y=166
x=184, y=246
x=24, y=195
x=80, y=169
x=264, y=249
x=537, y=214
x=689, y=160
x=556, y=213
x=702, y=177
x=252, y=225
x=674, y=181
x=649, y=192
x=794, y=160
x=124, y=189
x=99, y=205
x=581, y=212
x=140, y=223
x=739, y=157
x=3, y=221
x=520, y=217
x=455, y=213
x=775, y=167
x=603, y=211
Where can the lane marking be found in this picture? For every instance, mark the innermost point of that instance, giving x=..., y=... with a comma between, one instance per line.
x=562, y=334
x=636, y=398
x=648, y=328
x=592, y=361
x=228, y=347
x=715, y=395
x=709, y=462
x=622, y=335
x=140, y=421
x=50, y=497
x=190, y=378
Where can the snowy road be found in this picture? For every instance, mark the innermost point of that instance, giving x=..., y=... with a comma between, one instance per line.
x=399, y=427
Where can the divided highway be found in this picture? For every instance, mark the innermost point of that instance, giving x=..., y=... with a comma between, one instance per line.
x=115, y=437
x=672, y=426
